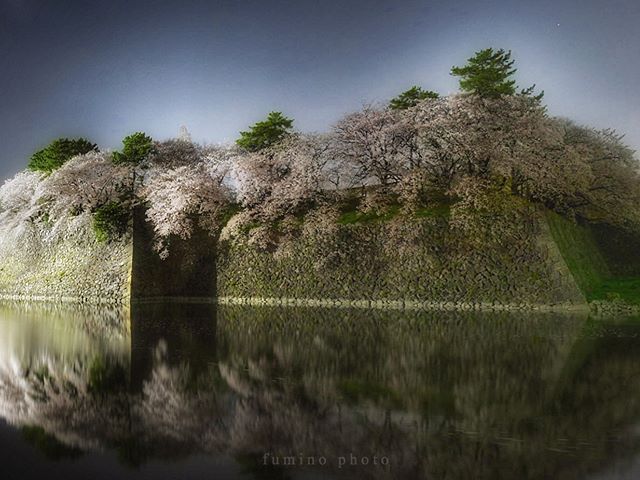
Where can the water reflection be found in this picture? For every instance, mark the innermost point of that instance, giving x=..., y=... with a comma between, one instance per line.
x=412, y=395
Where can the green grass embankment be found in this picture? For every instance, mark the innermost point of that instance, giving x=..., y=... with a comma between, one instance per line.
x=588, y=266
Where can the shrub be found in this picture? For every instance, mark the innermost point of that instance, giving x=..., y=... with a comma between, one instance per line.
x=110, y=221
x=58, y=152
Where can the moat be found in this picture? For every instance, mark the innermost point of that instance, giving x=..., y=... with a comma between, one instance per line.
x=206, y=391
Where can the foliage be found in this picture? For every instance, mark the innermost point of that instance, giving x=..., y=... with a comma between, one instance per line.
x=111, y=220
x=284, y=178
x=422, y=151
x=411, y=98
x=610, y=191
x=378, y=144
x=180, y=195
x=488, y=73
x=18, y=201
x=82, y=185
x=266, y=133
x=58, y=152
x=625, y=290
x=136, y=148
x=435, y=210
x=175, y=153
x=508, y=140
x=278, y=184
x=357, y=216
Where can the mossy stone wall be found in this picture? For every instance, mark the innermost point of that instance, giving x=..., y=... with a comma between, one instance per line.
x=412, y=260
x=77, y=268
x=403, y=262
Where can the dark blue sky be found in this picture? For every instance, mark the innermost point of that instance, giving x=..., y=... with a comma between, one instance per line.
x=103, y=69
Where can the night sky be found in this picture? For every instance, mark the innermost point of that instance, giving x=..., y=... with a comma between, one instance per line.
x=103, y=69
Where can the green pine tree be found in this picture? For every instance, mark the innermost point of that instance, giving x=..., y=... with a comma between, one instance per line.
x=488, y=74
x=136, y=148
x=411, y=98
x=266, y=133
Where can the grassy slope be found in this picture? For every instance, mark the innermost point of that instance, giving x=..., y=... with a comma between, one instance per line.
x=588, y=266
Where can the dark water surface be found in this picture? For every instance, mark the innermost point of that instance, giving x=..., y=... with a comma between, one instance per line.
x=198, y=391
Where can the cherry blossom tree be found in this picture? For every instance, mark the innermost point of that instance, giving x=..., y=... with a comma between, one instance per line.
x=175, y=152
x=284, y=179
x=610, y=190
x=508, y=140
x=378, y=143
x=83, y=184
x=18, y=203
x=185, y=191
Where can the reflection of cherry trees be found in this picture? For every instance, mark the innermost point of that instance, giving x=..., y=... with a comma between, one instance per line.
x=440, y=396
x=56, y=397
x=467, y=397
x=172, y=409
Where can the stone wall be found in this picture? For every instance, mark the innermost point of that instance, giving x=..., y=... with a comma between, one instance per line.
x=74, y=267
x=402, y=263
x=188, y=271
x=412, y=263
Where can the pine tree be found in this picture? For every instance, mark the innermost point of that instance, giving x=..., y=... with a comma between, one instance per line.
x=266, y=133
x=411, y=98
x=488, y=74
x=136, y=148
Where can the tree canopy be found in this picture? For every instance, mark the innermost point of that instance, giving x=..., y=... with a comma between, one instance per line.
x=411, y=98
x=58, y=152
x=266, y=133
x=457, y=149
x=488, y=73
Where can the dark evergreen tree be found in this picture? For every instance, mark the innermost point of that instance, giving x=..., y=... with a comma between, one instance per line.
x=58, y=152
x=136, y=148
x=411, y=98
x=488, y=74
x=266, y=133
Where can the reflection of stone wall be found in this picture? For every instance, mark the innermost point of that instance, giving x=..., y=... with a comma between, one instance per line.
x=421, y=262
x=452, y=395
x=75, y=268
